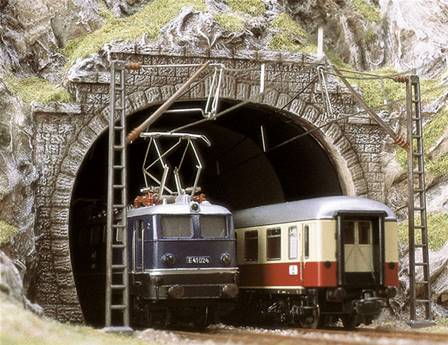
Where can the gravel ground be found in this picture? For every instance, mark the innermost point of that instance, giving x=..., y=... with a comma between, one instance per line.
x=221, y=334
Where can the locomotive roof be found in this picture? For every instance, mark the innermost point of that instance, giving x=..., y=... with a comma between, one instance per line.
x=178, y=209
x=317, y=208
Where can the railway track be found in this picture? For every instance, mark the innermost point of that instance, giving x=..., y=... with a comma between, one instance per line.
x=230, y=335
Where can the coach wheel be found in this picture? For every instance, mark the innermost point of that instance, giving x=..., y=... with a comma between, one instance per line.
x=311, y=320
x=349, y=321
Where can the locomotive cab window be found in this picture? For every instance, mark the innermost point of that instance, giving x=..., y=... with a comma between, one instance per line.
x=213, y=226
x=251, y=245
x=273, y=243
x=140, y=229
x=176, y=226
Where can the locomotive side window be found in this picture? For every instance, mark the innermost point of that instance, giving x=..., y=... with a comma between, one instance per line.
x=293, y=242
x=307, y=241
x=273, y=243
x=364, y=232
x=177, y=226
x=140, y=229
x=349, y=232
x=251, y=245
x=213, y=227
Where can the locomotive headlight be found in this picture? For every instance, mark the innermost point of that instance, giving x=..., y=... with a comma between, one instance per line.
x=226, y=259
x=194, y=207
x=168, y=259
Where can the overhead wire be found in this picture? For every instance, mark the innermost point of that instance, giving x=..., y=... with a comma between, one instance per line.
x=299, y=136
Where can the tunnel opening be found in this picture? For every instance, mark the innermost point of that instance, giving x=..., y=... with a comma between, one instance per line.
x=238, y=174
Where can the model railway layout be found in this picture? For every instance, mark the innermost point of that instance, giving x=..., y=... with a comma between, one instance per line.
x=183, y=260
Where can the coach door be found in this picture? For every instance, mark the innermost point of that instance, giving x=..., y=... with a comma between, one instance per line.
x=358, y=246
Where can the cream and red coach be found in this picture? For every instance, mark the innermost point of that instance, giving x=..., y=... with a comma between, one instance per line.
x=323, y=258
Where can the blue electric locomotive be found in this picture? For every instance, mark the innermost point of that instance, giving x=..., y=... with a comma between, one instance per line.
x=182, y=262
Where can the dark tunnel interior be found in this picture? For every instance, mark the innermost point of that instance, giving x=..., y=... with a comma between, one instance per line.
x=237, y=174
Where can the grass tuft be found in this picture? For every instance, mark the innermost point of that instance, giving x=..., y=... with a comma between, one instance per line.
x=19, y=326
x=289, y=35
x=432, y=132
x=250, y=7
x=230, y=22
x=7, y=232
x=437, y=231
x=149, y=20
x=37, y=89
x=367, y=10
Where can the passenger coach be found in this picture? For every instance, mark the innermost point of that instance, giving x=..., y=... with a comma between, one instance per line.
x=317, y=259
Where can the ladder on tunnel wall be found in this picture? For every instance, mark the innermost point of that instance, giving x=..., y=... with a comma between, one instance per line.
x=117, y=290
x=418, y=228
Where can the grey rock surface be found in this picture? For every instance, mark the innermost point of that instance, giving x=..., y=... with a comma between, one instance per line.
x=11, y=283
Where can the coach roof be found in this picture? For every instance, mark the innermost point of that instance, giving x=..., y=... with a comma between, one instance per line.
x=317, y=208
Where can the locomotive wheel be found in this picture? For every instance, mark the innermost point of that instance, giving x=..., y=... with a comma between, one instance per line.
x=203, y=319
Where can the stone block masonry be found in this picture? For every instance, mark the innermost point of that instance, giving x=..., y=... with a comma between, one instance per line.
x=64, y=134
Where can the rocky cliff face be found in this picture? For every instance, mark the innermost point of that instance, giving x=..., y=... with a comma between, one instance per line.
x=40, y=40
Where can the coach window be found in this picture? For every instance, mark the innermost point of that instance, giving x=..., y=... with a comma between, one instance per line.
x=292, y=242
x=251, y=245
x=348, y=230
x=273, y=244
x=307, y=241
x=364, y=232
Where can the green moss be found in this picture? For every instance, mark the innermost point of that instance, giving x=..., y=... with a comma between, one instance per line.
x=149, y=20
x=289, y=35
x=374, y=91
x=336, y=60
x=431, y=134
x=251, y=7
x=431, y=89
x=7, y=232
x=438, y=167
x=367, y=11
x=434, y=130
x=230, y=22
x=442, y=321
x=369, y=36
x=437, y=231
x=37, y=89
x=288, y=26
x=19, y=326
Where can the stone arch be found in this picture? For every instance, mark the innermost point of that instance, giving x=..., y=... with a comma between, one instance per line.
x=94, y=122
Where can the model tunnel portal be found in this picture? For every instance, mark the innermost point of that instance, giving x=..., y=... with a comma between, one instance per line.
x=241, y=167
x=238, y=174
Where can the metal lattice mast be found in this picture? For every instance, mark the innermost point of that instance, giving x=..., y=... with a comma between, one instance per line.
x=417, y=204
x=117, y=293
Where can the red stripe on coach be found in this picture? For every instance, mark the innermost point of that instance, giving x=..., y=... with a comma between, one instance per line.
x=391, y=274
x=315, y=274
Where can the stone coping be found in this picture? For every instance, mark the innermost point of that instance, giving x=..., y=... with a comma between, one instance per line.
x=56, y=108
